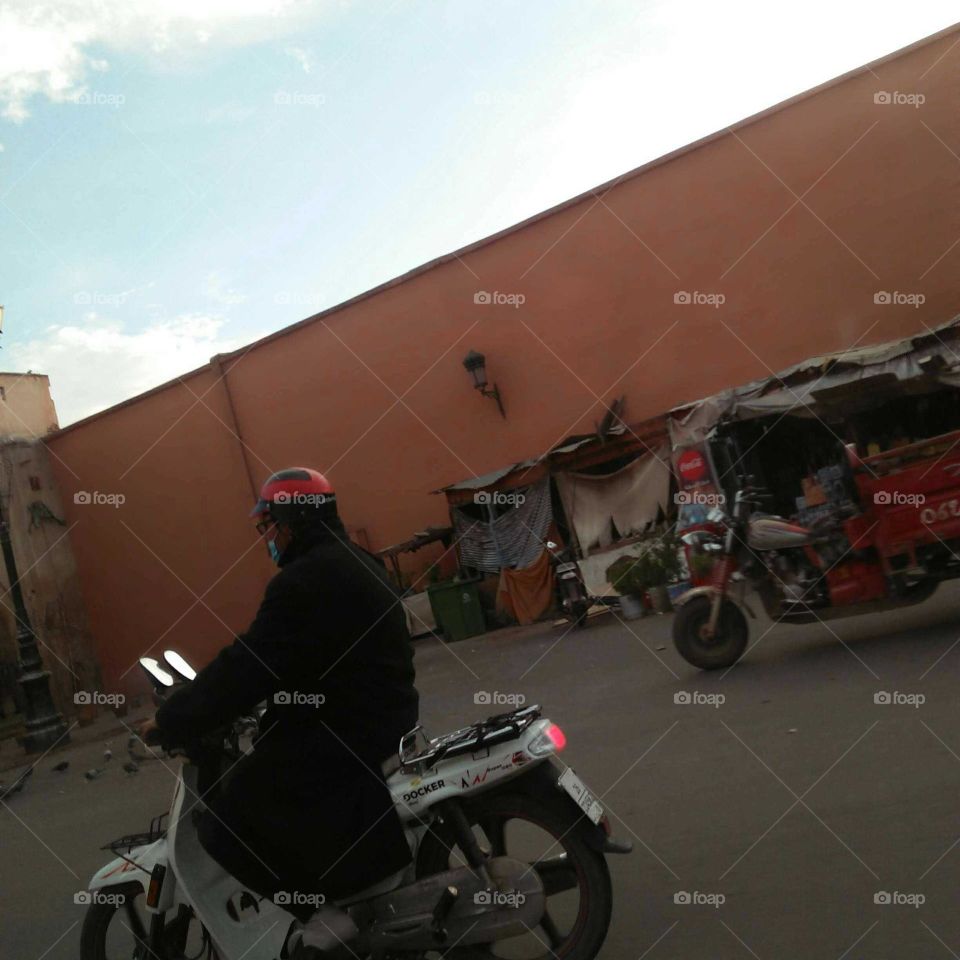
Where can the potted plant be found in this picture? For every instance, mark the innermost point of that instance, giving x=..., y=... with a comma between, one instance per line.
x=629, y=575
x=664, y=567
x=646, y=574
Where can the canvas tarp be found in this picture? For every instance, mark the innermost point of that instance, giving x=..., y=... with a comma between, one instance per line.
x=628, y=499
x=514, y=539
x=827, y=384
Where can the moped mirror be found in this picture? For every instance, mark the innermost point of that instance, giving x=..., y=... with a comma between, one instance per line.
x=551, y=545
x=179, y=664
x=156, y=673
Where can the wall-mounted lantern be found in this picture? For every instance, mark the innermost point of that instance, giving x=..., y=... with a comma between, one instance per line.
x=476, y=365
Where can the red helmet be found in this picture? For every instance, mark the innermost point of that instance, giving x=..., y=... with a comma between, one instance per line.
x=297, y=493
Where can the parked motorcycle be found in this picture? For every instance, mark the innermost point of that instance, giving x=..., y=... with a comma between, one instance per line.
x=573, y=598
x=508, y=843
x=801, y=574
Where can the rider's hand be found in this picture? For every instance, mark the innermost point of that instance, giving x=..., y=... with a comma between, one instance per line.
x=148, y=731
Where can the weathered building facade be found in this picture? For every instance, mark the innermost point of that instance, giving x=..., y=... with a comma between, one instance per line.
x=30, y=503
x=826, y=222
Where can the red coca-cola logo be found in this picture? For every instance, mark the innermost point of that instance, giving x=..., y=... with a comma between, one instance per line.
x=691, y=466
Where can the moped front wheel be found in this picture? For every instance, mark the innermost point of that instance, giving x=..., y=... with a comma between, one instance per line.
x=117, y=927
x=694, y=641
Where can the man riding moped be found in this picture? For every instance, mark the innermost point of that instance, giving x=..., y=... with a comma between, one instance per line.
x=307, y=809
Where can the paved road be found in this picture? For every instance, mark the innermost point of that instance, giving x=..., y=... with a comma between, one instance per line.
x=797, y=799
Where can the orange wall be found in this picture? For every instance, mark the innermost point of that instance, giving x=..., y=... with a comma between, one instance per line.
x=599, y=278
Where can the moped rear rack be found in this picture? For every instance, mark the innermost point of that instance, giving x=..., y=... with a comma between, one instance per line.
x=478, y=736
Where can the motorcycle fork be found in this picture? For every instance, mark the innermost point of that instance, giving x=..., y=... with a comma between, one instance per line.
x=721, y=580
x=156, y=942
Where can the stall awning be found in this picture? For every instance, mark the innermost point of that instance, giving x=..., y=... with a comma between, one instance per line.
x=570, y=453
x=827, y=384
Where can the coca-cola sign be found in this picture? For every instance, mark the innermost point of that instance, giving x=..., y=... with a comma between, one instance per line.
x=691, y=466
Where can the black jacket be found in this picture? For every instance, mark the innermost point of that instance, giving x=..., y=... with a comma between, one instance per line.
x=328, y=650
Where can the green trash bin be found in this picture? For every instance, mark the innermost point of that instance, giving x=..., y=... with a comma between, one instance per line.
x=456, y=608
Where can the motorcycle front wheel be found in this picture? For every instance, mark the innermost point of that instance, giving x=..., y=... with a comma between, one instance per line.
x=696, y=646
x=116, y=928
x=548, y=836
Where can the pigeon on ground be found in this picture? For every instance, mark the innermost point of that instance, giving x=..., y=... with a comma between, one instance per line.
x=93, y=774
x=131, y=767
x=108, y=754
x=138, y=756
x=16, y=786
x=61, y=766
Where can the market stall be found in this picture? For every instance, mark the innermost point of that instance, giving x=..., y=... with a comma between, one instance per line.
x=791, y=430
x=595, y=493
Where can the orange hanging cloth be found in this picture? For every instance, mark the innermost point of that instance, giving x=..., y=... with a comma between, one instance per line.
x=527, y=594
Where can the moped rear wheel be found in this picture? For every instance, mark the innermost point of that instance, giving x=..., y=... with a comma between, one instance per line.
x=694, y=642
x=551, y=836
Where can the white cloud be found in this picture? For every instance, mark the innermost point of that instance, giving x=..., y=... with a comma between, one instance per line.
x=97, y=364
x=45, y=44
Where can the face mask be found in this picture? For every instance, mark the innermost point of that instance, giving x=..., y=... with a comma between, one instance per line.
x=274, y=551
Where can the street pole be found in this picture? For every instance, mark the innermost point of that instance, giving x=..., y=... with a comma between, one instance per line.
x=45, y=726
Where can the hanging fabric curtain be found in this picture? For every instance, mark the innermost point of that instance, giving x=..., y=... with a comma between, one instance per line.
x=629, y=499
x=528, y=593
x=514, y=539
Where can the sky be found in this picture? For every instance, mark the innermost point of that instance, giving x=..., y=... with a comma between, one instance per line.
x=179, y=178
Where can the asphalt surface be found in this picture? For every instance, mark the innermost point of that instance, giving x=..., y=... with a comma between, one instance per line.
x=783, y=811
